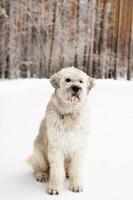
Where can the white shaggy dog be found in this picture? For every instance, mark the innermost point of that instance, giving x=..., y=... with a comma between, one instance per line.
x=59, y=146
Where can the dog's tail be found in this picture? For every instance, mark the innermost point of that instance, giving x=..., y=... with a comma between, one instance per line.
x=29, y=160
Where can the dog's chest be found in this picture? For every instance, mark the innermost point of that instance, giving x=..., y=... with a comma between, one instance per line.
x=68, y=132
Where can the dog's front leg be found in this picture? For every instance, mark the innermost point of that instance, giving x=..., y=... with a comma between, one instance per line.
x=57, y=172
x=75, y=174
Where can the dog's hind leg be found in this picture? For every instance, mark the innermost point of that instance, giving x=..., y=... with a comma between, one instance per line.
x=39, y=164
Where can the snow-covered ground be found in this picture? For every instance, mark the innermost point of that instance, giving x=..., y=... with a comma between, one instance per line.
x=109, y=164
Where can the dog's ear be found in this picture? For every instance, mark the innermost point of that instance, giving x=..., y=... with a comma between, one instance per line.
x=54, y=79
x=91, y=82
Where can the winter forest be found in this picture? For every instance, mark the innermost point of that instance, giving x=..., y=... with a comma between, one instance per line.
x=39, y=37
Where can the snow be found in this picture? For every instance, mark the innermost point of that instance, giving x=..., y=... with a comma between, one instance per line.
x=109, y=163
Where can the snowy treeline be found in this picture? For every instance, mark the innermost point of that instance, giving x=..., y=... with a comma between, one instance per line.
x=38, y=37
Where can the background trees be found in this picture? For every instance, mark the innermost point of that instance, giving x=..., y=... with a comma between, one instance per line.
x=38, y=37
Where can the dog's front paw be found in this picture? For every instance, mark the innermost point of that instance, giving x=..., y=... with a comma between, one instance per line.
x=42, y=176
x=54, y=189
x=76, y=188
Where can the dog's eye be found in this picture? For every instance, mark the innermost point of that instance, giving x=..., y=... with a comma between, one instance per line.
x=81, y=81
x=68, y=80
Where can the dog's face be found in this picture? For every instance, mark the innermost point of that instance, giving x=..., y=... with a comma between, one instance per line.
x=72, y=85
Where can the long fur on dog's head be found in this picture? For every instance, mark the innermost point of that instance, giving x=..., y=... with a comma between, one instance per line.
x=72, y=85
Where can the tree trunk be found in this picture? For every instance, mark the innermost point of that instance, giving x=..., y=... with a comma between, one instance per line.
x=52, y=38
x=77, y=34
x=6, y=6
x=130, y=16
x=117, y=37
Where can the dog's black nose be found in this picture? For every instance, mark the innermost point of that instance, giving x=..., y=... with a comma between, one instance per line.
x=75, y=88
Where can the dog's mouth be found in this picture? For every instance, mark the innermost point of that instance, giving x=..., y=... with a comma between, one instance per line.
x=74, y=98
x=76, y=95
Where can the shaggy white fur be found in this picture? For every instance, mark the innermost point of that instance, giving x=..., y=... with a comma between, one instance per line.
x=60, y=144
